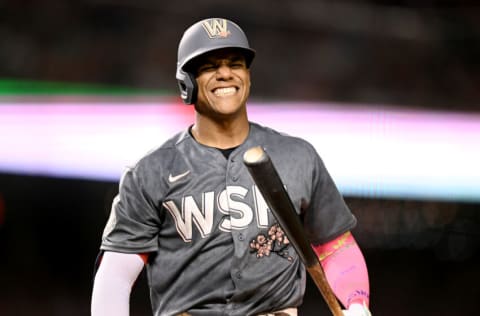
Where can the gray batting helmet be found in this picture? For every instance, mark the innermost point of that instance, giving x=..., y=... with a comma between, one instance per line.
x=200, y=38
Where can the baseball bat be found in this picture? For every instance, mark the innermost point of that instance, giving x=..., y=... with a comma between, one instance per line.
x=266, y=177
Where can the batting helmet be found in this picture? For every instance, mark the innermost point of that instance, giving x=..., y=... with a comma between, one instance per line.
x=203, y=37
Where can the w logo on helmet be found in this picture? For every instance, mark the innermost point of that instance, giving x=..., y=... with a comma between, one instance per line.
x=216, y=28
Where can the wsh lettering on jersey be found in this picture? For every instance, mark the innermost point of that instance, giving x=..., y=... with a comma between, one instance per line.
x=230, y=201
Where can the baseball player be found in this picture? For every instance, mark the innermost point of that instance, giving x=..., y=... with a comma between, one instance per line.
x=190, y=213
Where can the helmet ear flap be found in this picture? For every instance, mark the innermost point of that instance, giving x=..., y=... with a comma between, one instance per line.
x=188, y=88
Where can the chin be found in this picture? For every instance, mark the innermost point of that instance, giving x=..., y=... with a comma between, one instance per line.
x=228, y=112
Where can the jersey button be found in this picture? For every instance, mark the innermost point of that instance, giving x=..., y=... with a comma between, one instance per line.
x=241, y=237
x=235, y=178
x=238, y=275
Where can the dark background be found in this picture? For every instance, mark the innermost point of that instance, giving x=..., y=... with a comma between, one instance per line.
x=405, y=52
x=423, y=256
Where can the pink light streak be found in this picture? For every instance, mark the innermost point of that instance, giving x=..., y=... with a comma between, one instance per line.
x=369, y=150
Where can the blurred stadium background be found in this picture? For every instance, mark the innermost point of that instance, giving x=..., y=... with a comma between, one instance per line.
x=100, y=73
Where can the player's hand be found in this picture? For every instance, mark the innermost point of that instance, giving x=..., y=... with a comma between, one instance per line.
x=357, y=309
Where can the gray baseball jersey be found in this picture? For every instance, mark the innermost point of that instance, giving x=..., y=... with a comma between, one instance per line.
x=216, y=248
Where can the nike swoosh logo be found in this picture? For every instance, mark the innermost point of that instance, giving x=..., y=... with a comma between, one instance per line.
x=172, y=179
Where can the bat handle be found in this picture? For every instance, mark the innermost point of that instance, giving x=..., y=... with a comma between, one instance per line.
x=318, y=276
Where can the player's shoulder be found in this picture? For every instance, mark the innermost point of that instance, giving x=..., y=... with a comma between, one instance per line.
x=283, y=147
x=162, y=155
x=280, y=138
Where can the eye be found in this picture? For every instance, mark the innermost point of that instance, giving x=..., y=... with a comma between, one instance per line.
x=237, y=64
x=206, y=68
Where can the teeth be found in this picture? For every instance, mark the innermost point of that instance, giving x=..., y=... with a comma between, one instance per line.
x=224, y=91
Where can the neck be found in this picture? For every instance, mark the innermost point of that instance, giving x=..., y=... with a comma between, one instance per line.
x=220, y=134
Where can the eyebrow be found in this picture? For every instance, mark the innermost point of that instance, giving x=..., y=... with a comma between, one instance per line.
x=230, y=58
x=212, y=61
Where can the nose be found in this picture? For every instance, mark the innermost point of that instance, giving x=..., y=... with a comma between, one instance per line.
x=224, y=72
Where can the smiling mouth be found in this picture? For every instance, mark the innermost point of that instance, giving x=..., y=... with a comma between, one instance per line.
x=223, y=92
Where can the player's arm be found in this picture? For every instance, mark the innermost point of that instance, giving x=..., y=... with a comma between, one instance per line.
x=346, y=272
x=114, y=279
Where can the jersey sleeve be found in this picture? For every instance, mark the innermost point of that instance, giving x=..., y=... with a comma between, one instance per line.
x=327, y=215
x=134, y=220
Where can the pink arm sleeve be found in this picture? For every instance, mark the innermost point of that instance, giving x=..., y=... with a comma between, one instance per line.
x=345, y=269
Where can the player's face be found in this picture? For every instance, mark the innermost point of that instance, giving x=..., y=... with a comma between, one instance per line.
x=223, y=81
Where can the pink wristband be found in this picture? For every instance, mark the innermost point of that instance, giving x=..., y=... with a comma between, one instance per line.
x=345, y=269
